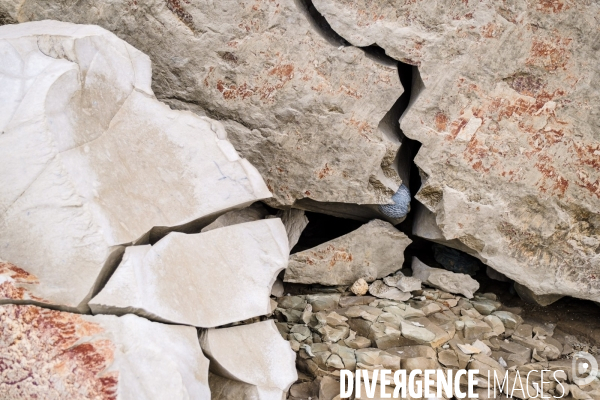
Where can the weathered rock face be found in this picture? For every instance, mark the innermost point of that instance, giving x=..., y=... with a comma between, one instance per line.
x=302, y=109
x=505, y=113
x=255, y=354
x=91, y=160
x=373, y=251
x=206, y=280
x=449, y=281
x=52, y=354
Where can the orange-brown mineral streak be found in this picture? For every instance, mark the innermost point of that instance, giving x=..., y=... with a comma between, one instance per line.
x=50, y=354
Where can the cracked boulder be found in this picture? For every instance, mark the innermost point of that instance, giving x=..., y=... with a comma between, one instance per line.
x=92, y=161
x=53, y=354
x=254, y=354
x=298, y=104
x=505, y=109
x=371, y=252
x=205, y=279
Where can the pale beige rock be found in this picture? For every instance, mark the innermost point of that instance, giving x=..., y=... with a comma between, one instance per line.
x=255, y=354
x=303, y=109
x=383, y=291
x=59, y=355
x=294, y=221
x=449, y=281
x=91, y=164
x=197, y=279
x=252, y=213
x=502, y=107
x=370, y=252
x=530, y=296
x=360, y=287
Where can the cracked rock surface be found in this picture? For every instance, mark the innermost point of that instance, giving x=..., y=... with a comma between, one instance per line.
x=197, y=279
x=299, y=107
x=92, y=161
x=505, y=110
x=58, y=355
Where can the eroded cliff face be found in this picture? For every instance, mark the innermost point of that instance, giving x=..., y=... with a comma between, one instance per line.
x=302, y=108
x=505, y=111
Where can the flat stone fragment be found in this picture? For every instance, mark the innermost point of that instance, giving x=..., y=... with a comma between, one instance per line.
x=197, y=279
x=416, y=333
x=371, y=252
x=294, y=221
x=91, y=164
x=446, y=280
x=255, y=354
x=514, y=146
x=383, y=291
x=60, y=355
x=299, y=107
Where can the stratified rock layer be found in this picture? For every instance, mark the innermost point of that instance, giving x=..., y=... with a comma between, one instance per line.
x=302, y=109
x=206, y=280
x=505, y=110
x=91, y=160
x=57, y=355
x=373, y=251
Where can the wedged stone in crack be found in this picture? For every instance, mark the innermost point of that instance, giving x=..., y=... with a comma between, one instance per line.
x=294, y=221
x=255, y=354
x=206, y=279
x=90, y=164
x=371, y=252
x=64, y=355
x=254, y=212
x=446, y=280
x=303, y=110
x=510, y=159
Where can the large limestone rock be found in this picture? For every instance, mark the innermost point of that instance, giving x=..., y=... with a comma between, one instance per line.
x=206, y=280
x=372, y=252
x=91, y=160
x=505, y=110
x=302, y=108
x=255, y=354
x=57, y=355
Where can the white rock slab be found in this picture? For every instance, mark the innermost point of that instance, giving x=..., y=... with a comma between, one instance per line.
x=254, y=354
x=206, y=279
x=90, y=164
x=448, y=281
x=60, y=355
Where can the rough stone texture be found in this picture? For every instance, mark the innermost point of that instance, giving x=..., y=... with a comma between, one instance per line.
x=446, y=280
x=302, y=109
x=360, y=287
x=89, y=164
x=255, y=354
x=205, y=280
x=371, y=252
x=505, y=110
x=57, y=355
x=383, y=291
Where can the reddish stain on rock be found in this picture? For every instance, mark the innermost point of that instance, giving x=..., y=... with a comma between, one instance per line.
x=50, y=354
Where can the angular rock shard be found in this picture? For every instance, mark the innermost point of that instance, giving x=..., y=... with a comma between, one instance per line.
x=448, y=281
x=64, y=355
x=205, y=280
x=302, y=109
x=255, y=354
x=371, y=252
x=91, y=160
x=510, y=146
